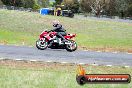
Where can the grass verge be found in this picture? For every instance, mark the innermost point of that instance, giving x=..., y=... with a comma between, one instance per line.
x=25, y=74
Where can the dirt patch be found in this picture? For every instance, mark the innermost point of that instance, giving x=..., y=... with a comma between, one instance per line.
x=129, y=51
x=36, y=64
x=4, y=42
x=106, y=49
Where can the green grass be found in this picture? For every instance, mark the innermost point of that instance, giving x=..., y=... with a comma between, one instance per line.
x=46, y=75
x=17, y=27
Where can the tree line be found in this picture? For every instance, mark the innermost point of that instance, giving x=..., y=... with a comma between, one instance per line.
x=34, y=4
x=107, y=7
x=97, y=7
x=122, y=8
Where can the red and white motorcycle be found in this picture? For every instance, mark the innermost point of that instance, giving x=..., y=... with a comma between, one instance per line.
x=50, y=40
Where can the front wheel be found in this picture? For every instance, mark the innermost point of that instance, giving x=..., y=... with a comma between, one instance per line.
x=72, y=46
x=41, y=44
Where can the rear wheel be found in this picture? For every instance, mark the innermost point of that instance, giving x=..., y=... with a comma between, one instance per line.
x=72, y=46
x=41, y=44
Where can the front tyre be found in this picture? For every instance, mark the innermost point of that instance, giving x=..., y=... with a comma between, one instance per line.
x=41, y=44
x=72, y=46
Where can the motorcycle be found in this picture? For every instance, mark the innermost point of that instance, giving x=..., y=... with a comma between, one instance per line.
x=49, y=39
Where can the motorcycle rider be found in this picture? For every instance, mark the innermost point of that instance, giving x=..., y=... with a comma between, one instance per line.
x=61, y=32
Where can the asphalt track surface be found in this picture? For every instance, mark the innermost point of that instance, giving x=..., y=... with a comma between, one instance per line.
x=61, y=55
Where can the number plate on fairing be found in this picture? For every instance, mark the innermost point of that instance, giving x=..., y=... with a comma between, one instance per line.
x=55, y=40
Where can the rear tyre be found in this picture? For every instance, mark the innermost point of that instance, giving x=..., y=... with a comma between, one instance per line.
x=72, y=46
x=42, y=45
